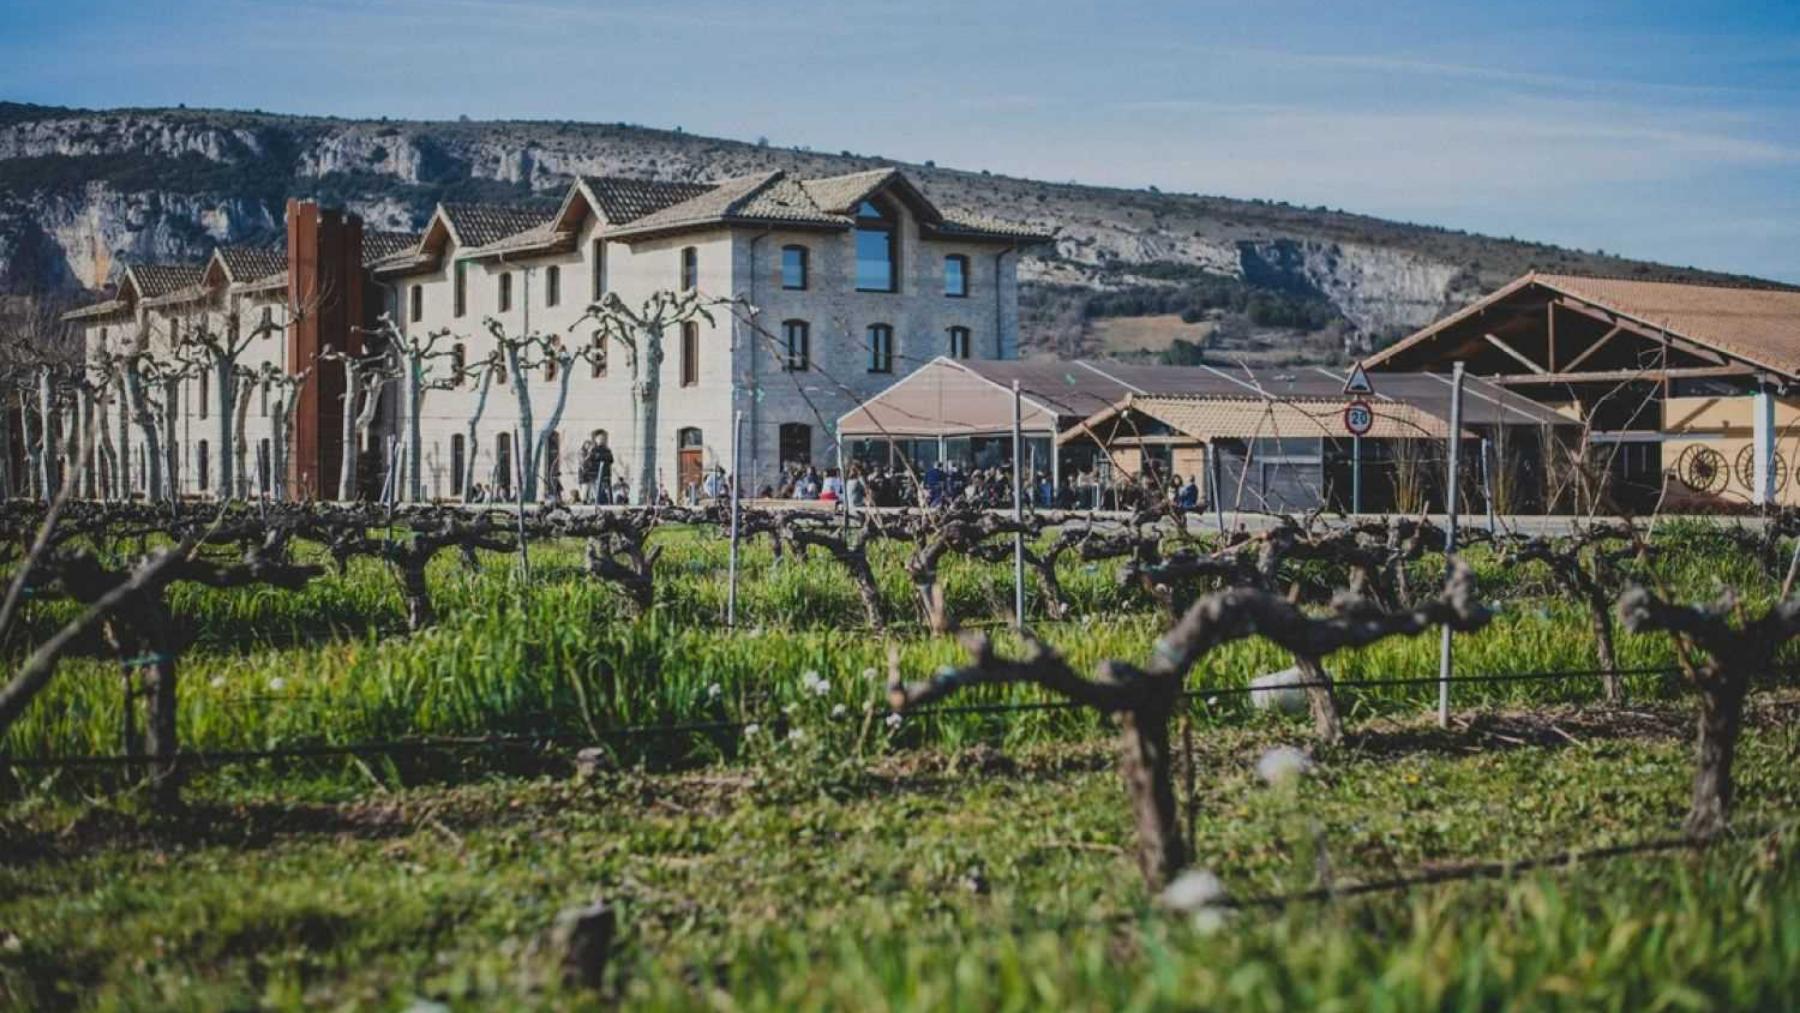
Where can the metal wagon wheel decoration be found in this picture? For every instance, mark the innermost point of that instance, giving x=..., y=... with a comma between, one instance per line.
x=1746, y=468
x=1703, y=469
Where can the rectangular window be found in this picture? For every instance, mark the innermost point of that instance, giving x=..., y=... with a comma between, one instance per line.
x=599, y=269
x=552, y=285
x=793, y=267
x=268, y=319
x=264, y=394
x=263, y=462
x=959, y=342
x=205, y=395
x=881, y=348
x=690, y=268
x=503, y=466
x=875, y=260
x=460, y=284
x=956, y=276
x=459, y=362
x=505, y=291
x=799, y=346
x=416, y=308
x=204, y=462
x=690, y=354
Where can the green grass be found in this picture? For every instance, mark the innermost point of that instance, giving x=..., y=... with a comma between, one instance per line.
x=783, y=888
x=831, y=869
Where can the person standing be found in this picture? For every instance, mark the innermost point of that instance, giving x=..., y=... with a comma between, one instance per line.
x=597, y=466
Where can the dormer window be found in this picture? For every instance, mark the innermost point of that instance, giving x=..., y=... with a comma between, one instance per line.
x=876, y=249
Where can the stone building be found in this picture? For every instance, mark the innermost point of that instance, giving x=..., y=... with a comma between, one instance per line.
x=819, y=292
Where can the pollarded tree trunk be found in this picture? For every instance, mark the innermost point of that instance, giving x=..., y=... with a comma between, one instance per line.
x=414, y=394
x=648, y=389
x=467, y=478
x=146, y=426
x=1721, y=718
x=47, y=434
x=521, y=386
x=122, y=475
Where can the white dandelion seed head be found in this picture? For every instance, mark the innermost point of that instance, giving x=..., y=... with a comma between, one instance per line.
x=277, y=684
x=218, y=682
x=1193, y=890
x=713, y=691
x=893, y=721
x=1210, y=920
x=795, y=735
x=1282, y=765
x=839, y=711
x=751, y=730
x=871, y=675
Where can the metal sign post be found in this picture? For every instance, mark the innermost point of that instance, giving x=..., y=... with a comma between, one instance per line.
x=731, y=581
x=1359, y=418
x=1450, y=505
x=1018, y=513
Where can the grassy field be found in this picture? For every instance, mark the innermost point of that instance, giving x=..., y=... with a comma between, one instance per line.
x=827, y=859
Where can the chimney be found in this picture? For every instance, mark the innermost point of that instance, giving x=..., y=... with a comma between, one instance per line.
x=325, y=299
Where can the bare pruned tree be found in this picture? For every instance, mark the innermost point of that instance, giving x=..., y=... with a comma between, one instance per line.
x=1145, y=699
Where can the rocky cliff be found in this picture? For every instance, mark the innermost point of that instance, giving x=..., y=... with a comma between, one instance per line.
x=82, y=190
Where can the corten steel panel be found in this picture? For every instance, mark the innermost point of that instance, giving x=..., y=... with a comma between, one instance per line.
x=325, y=285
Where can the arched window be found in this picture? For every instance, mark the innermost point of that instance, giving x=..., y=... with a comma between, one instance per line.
x=959, y=342
x=688, y=438
x=690, y=353
x=552, y=285
x=876, y=242
x=203, y=461
x=458, y=462
x=795, y=444
x=505, y=291
x=794, y=267
x=881, y=348
x=956, y=276
x=503, y=465
x=799, y=345
x=690, y=268
x=415, y=297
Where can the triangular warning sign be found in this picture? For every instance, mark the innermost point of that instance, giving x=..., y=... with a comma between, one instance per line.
x=1358, y=383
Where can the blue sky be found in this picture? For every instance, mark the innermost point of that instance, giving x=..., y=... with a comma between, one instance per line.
x=1662, y=130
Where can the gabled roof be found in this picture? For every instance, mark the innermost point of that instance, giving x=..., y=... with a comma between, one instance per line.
x=245, y=264
x=623, y=201
x=379, y=245
x=841, y=194
x=154, y=281
x=767, y=198
x=1759, y=326
x=476, y=225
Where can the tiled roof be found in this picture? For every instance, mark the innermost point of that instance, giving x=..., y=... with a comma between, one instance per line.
x=956, y=224
x=623, y=201
x=104, y=308
x=767, y=198
x=482, y=224
x=379, y=245
x=253, y=263
x=841, y=194
x=1761, y=325
x=155, y=280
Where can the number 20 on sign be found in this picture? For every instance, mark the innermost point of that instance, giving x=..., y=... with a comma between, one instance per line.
x=1359, y=418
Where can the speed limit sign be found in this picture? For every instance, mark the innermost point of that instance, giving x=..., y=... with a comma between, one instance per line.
x=1359, y=418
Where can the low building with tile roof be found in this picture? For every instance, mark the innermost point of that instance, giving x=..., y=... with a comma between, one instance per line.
x=1690, y=393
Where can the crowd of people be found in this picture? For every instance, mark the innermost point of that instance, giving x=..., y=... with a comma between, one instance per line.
x=938, y=485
